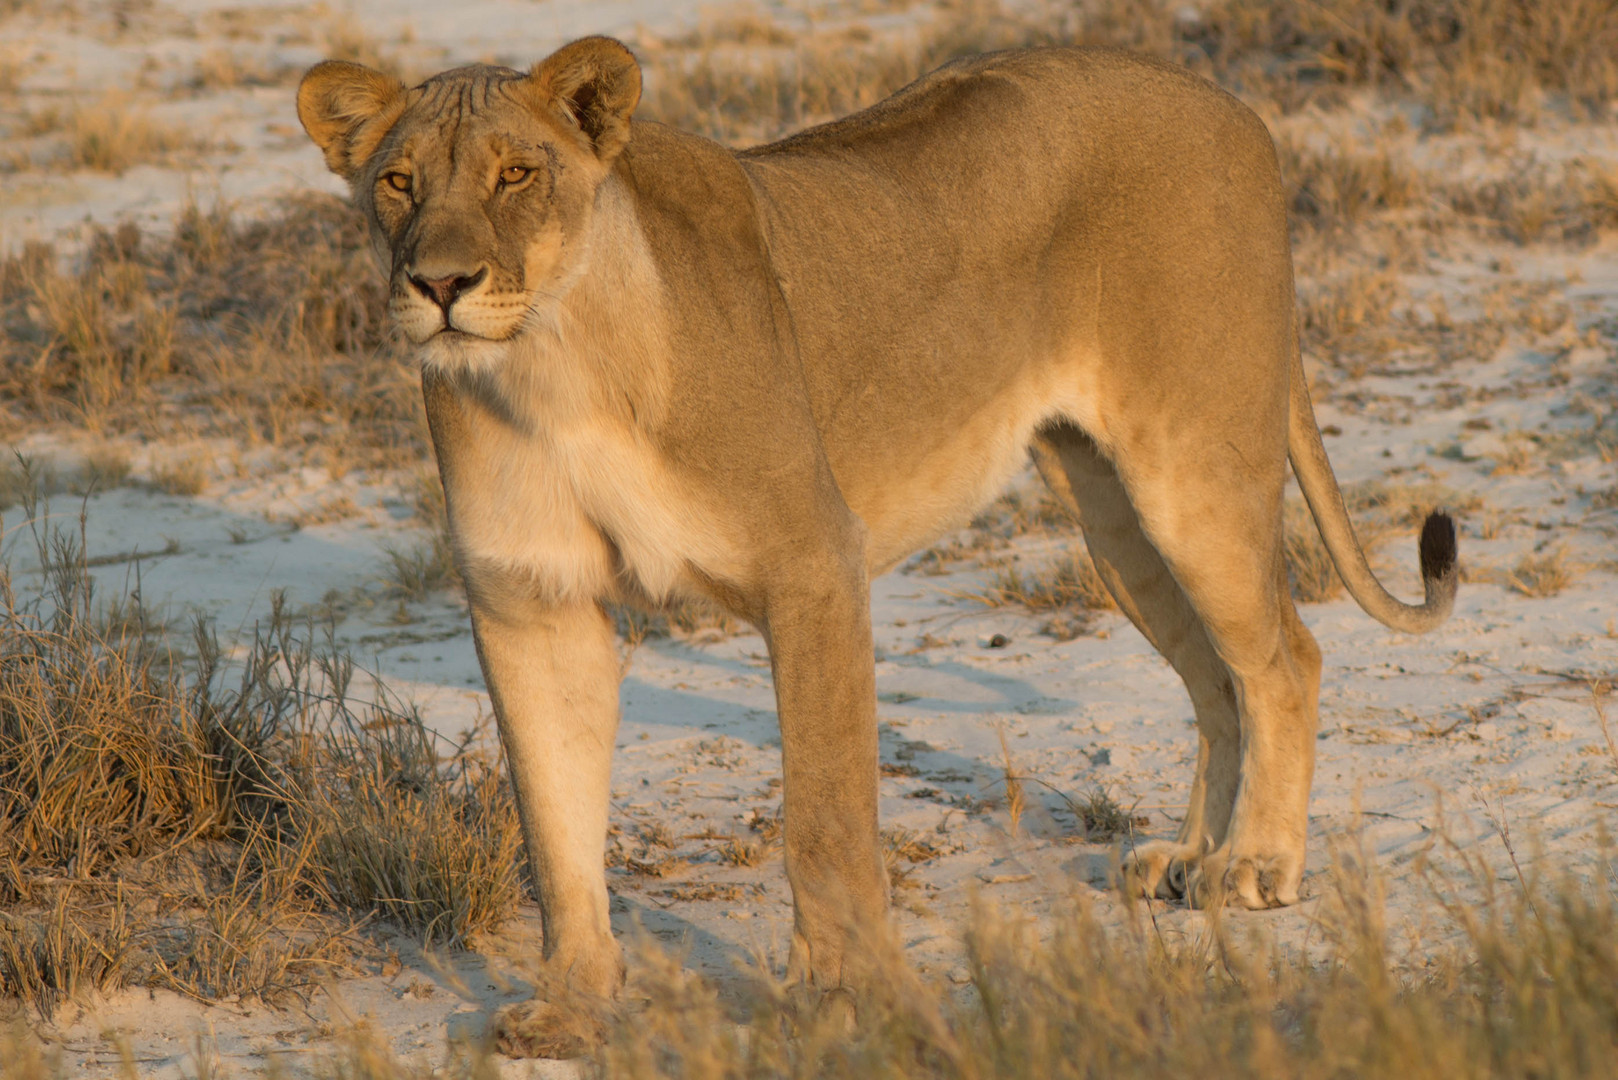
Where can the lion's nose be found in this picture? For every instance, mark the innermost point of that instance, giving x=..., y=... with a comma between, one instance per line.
x=444, y=291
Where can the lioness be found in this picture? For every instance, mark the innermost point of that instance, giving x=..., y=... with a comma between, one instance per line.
x=656, y=368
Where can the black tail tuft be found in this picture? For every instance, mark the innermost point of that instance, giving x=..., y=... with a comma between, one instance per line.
x=1438, y=551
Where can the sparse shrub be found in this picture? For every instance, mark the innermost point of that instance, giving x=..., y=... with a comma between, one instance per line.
x=1542, y=575
x=104, y=467
x=122, y=760
x=1069, y=581
x=1335, y=186
x=113, y=137
x=423, y=568
x=430, y=843
x=1335, y=315
x=186, y=475
x=1104, y=820
x=65, y=953
x=275, y=326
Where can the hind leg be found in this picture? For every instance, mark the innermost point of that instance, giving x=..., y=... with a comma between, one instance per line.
x=1147, y=593
x=1222, y=543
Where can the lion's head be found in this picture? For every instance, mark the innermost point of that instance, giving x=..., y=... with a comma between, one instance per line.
x=479, y=183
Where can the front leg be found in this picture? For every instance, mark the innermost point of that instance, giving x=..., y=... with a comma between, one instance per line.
x=818, y=624
x=553, y=675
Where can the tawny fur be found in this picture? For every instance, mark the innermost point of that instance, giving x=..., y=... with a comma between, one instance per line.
x=671, y=369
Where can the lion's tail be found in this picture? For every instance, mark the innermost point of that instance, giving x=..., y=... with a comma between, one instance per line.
x=1440, y=573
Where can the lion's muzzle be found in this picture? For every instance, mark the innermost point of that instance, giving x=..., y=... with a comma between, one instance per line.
x=444, y=291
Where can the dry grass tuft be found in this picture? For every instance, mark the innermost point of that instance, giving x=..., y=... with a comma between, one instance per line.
x=111, y=136
x=1337, y=313
x=1405, y=504
x=1087, y=999
x=749, y=80
x=688, y=619
x=428, y=842
x=1071, y=581
x=187, y=475
x=1379, y=509
x=270, y=330
x=1339, y=186
x=227, y=69
x=900, y=846
x=1569, y=202
x=1103, y=818
x=417, y=571
x=104, y=467
x=107, y=749
x=1529, y=989
x=1542, y=575
x=1314, y=575
x=51, y=957
x=1012, y=782
x=172, y=818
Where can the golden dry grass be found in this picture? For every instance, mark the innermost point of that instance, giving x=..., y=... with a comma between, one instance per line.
x=1314, y=574
x=268, y=330
x=186, y=475
x=744, y=79
x=112, y=136
x=168, y=817
x=1542, y=574
x=1069, y=581
x=1529, y=988
x=1341, y=185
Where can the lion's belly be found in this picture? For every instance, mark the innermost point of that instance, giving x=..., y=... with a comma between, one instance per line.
x=579, y=513
x=909, y=491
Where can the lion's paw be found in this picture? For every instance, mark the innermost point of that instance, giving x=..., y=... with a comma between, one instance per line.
x=1160, y=869
x=1254, y=882
x=540, y=1029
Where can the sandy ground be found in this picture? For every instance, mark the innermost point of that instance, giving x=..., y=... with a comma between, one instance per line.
x=1489, y=714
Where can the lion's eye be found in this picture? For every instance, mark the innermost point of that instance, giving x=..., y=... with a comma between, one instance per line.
x=514, y=174
x=398, y=181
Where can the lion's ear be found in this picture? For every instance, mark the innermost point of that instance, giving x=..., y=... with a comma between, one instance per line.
x=347, y=109
x=596, y=81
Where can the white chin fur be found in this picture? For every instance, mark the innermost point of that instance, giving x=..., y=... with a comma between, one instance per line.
x=451, y=352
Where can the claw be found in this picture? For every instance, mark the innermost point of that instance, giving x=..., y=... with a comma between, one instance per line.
x=1207, y=878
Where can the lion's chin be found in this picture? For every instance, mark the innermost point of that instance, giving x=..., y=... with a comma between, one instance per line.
x=451, y=351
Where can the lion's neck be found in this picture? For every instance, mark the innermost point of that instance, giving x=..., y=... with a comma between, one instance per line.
x=596, y=353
